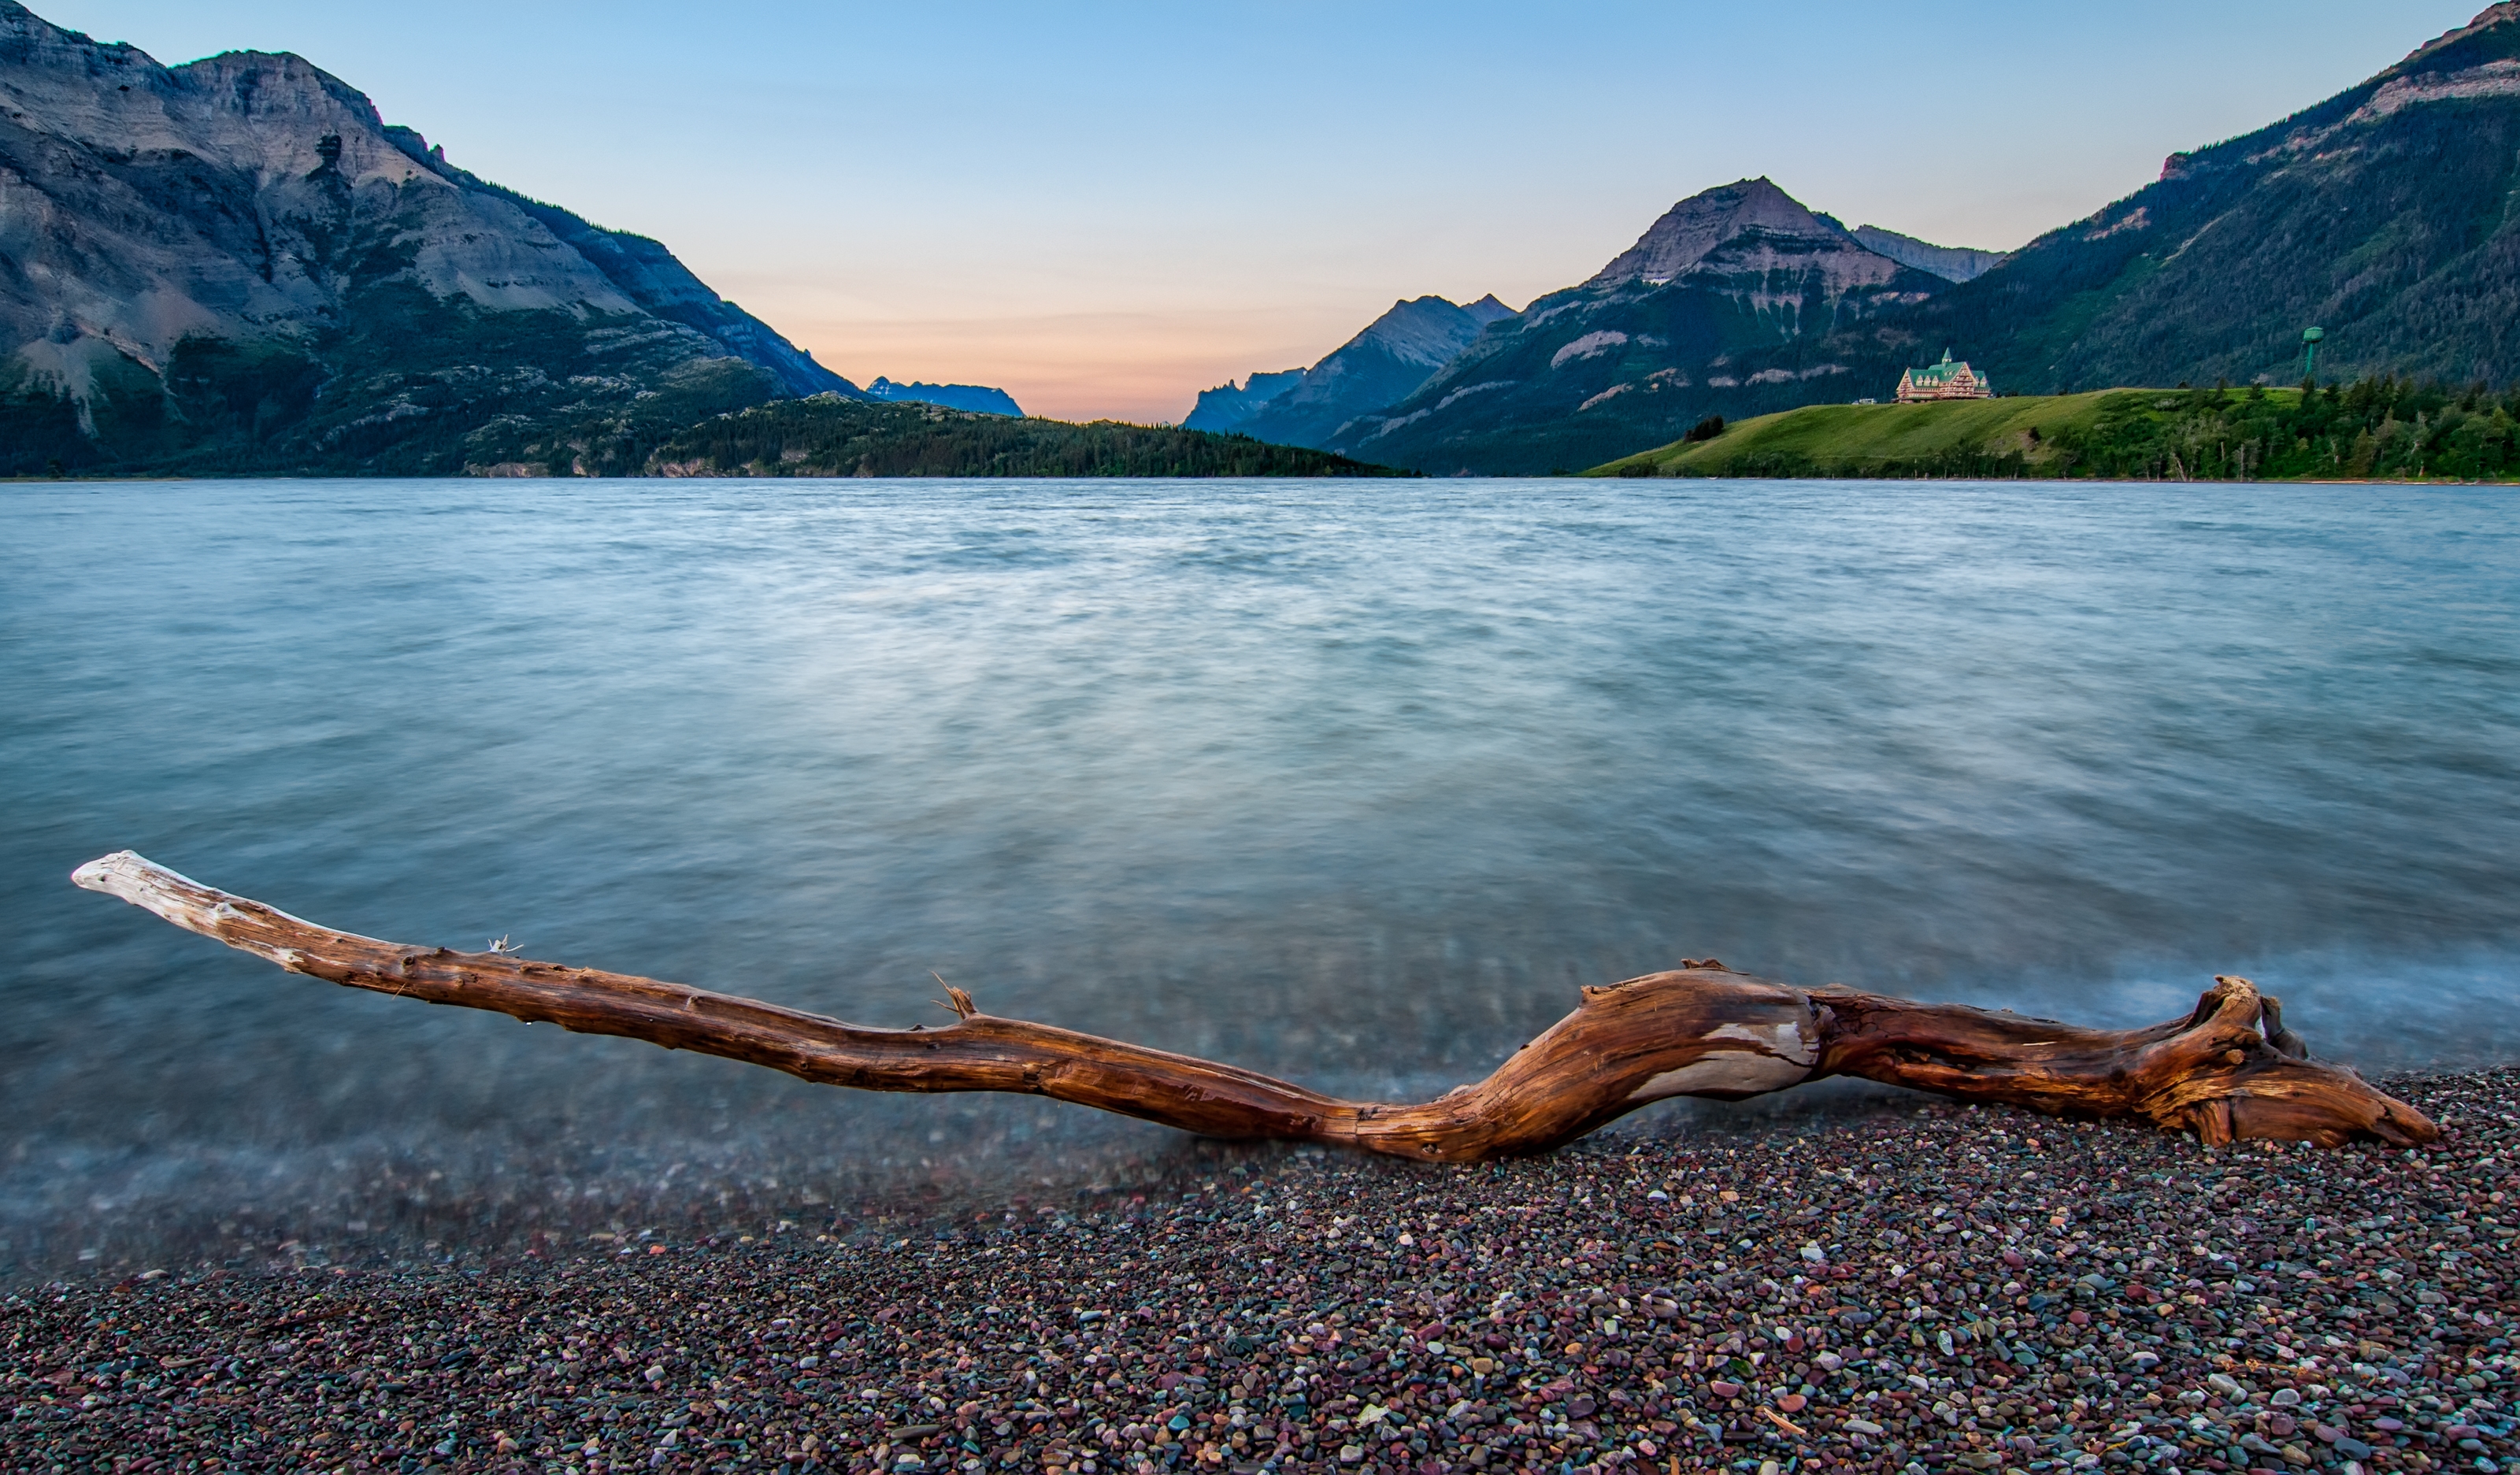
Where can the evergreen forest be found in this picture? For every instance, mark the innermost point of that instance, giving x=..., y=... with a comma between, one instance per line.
x=826, y=435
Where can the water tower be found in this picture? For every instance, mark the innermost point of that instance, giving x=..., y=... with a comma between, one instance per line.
x=2310, y=339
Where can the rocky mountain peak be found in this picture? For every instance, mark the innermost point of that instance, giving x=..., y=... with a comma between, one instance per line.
x=1229, y=405
x=1689, y=231
x=260, y=110
x=1392, y=356
x=1427, y=329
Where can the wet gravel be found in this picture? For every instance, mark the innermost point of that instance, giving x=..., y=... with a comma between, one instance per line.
x=1908, y=1286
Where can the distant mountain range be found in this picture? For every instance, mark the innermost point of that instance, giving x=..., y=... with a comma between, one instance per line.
x=237, y=265
x=978, y=398
x=2382, y=215
x=1729, y=269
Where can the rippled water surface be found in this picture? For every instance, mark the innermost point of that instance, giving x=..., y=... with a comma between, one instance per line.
x=1350, y=782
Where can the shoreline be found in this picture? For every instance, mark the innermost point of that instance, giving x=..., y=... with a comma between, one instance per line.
x=1589, y=475
x=1900, y=1284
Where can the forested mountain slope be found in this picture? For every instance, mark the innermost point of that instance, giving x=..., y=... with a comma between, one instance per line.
x=1392, y=356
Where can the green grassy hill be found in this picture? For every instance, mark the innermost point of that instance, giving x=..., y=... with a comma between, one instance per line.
x=1874, y=440
x=2382, y=427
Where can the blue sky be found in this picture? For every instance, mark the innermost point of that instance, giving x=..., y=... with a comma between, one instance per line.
x=1105, y=207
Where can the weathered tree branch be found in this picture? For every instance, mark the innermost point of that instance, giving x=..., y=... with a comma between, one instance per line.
x=2228, y=1070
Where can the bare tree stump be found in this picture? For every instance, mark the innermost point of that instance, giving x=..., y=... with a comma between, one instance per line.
x=2230, y=1070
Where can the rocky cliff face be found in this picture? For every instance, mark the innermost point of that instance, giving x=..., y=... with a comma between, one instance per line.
x=644, y=271
x=1378, y=366
x=1951, y=264
x=1638, y=349
x=235, y=264
x=1229, y=405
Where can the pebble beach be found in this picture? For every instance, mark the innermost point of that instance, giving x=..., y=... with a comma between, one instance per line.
x=1909, y=1285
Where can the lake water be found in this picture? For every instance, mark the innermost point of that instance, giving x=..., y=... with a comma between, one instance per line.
x=1351, y=782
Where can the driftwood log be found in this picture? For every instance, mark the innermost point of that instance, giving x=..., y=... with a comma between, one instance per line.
x=2230, y=1070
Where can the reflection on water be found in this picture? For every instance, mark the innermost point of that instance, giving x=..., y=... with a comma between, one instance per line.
x=1354, y=783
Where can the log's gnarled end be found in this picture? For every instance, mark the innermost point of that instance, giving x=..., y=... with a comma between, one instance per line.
x=2230, y=1070
x=2237, y=1073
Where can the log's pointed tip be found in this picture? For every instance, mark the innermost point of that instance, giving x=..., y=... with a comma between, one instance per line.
x=98, y=875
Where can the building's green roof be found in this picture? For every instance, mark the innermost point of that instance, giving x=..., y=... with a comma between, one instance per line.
x=1935, y=374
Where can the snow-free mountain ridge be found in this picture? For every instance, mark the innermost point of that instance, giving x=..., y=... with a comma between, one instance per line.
x=1390, y=357
x=1951, y=264
x=237, y=261
x=980, y=399
x=1729, y=269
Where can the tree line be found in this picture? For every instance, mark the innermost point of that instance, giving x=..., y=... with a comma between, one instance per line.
x=2382, y=426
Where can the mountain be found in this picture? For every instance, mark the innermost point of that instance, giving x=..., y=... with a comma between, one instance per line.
x=236, y=265
x=1227, y=406
x=2383, y=215
x=827, y=435
x=1378, y=366
x=978, y=398
x=1951, y=264
x=1633, y=356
